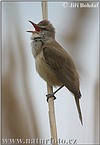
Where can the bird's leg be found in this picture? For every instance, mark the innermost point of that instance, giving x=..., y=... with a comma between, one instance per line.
x=52, y=94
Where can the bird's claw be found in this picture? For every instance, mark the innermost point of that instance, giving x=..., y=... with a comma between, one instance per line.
x=50, y=96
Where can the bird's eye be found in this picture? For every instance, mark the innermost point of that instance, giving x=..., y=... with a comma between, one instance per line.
x=44, y=29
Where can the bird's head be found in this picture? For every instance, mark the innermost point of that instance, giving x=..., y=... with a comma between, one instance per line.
x=43, y=28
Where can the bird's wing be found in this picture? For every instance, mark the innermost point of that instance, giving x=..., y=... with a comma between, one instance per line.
x=61, y=63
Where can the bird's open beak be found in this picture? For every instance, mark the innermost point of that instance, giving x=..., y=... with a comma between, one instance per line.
x=37, y=28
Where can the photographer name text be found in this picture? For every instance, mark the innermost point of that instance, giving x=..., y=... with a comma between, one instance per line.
x=80, y=5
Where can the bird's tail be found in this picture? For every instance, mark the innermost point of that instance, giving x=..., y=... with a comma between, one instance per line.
x=79, y=109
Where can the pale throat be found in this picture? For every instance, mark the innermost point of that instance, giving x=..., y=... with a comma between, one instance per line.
x=36, y=44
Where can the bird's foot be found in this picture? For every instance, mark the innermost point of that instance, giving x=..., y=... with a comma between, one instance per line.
x=50, y=96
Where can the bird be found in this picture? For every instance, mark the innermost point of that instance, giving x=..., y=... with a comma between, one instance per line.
x=53, y=63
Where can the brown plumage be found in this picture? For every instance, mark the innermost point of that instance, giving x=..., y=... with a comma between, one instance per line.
x=53, y=63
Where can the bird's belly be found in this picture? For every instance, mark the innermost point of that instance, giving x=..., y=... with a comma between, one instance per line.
x=45, y=71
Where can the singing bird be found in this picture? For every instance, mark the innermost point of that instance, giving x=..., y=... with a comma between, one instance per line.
x=52, y=62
